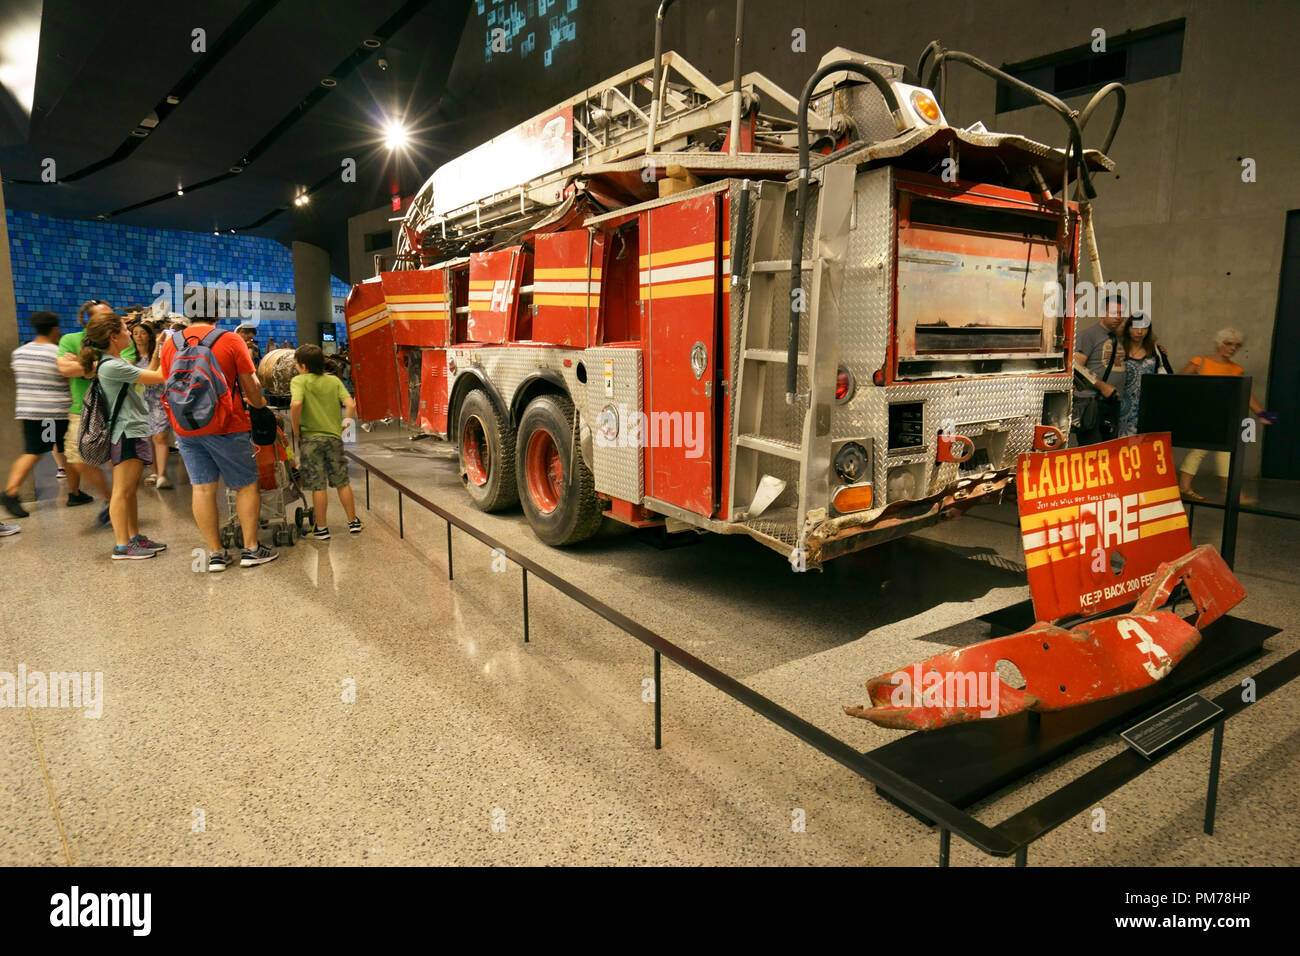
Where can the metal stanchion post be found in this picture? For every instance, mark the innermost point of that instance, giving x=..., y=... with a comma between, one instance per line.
x=401, y=528
x=525, y=570
x=449, y=574
x=367, y=489
x=1212, y=793
x=945, y=837
x=658, y=712
x=1022, y=856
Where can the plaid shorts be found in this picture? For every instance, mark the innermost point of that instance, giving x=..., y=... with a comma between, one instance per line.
x=321, y=460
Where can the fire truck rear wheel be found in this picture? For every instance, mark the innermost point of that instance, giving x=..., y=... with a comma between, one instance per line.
x=556, y=487
x=486, y=446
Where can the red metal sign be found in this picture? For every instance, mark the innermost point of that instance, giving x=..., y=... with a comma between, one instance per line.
x=1097, y=522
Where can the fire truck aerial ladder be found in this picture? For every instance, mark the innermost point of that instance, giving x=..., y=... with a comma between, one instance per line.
x=818, y=321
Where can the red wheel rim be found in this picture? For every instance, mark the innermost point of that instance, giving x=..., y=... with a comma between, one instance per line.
x=475, y=452
x=544, y=471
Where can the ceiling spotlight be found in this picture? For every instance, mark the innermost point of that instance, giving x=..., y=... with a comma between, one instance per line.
x=371, y=43
x=180, y=192
x=216, y=232
x=394, y=135
x=173, y=100
x=329, y=82
x=232, y=232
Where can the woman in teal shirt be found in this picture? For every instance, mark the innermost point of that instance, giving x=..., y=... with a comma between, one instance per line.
x=106, y=338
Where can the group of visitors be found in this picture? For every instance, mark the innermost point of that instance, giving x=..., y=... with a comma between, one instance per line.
x=1110, y=360
x=132, y=358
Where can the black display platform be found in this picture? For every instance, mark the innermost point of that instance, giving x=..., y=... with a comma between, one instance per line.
x=966, y=762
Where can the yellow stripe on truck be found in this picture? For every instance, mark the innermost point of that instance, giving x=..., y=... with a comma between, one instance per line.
x=682, y=254
x=672, y=290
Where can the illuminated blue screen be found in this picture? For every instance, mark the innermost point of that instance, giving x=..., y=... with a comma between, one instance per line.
x=523, y=27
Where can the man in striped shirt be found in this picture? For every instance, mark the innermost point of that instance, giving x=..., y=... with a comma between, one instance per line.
x=41, y=406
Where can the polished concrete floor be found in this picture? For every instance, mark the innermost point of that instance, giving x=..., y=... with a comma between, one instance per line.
x=348, y=705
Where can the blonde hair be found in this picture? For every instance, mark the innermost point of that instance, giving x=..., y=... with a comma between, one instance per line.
x=1225, y=334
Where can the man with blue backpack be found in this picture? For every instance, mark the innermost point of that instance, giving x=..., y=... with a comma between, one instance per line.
x=209, y=376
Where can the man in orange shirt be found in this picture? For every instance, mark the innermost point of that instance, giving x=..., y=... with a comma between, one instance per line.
x=223, y=449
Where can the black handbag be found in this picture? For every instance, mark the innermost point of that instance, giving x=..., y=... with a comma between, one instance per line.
x=1109, y=410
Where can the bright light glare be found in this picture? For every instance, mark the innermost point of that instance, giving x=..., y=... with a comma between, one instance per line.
x=18, y=48
x=394, y=135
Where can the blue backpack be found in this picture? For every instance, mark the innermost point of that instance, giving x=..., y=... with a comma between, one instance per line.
x=196, y=393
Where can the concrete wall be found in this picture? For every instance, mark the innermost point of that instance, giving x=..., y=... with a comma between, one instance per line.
x=1176, y=213
x=361, y=264
x=311, y=290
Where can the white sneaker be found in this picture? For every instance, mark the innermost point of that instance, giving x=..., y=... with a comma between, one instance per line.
x=162, y=482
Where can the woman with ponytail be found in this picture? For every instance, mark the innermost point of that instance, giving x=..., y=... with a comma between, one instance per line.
x=106, y=338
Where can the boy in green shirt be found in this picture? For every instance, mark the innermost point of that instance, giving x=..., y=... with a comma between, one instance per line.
x=319, y=407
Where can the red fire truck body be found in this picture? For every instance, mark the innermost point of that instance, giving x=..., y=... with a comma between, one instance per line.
x=607, y=351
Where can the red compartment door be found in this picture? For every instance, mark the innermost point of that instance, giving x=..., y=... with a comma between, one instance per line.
x=433, y=391
x=566, y=287
x=679, y=287
x=374, y=361
x=494, y=281
x=417, y=303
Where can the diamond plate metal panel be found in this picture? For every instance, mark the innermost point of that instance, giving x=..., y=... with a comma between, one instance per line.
x=618, y=467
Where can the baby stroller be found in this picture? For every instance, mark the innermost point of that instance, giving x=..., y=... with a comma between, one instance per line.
x=277, y=479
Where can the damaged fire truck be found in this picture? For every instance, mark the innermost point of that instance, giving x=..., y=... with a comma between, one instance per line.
x=815, y=321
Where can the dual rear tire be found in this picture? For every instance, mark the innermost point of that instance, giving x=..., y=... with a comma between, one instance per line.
x=536, y=465
x=556, y=488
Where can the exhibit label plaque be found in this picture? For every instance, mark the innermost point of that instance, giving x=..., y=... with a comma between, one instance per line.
x=1097, y=521
x=1173, y=723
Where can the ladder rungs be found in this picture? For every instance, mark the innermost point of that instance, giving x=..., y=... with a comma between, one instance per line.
x=777, y=265
x=773, y=355
x=771, y=446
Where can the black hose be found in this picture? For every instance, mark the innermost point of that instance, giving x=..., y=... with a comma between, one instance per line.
x=658, y=69
x=1073, y=153
x=1121, y=99
x=934, y=46
x=801, y=199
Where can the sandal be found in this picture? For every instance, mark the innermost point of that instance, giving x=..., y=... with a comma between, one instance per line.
x=151, y=479
x=1193, y=496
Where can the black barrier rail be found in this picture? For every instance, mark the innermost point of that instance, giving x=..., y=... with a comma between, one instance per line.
x=1193, y=504
x=1012, y=836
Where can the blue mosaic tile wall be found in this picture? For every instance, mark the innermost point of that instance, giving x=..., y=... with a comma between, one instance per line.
x=59, y=263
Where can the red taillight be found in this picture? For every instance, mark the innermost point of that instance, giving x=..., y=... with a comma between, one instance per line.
x=843, y=385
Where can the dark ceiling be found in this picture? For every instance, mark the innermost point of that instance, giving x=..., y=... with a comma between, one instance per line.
x=254, y=101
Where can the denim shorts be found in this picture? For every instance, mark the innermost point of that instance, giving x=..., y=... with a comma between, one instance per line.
x=209, y=457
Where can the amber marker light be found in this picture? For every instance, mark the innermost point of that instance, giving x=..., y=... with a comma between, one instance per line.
x=925, y=106
x=852, y=498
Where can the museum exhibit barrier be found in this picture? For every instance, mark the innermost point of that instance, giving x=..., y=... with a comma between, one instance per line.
x=1011, y=837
